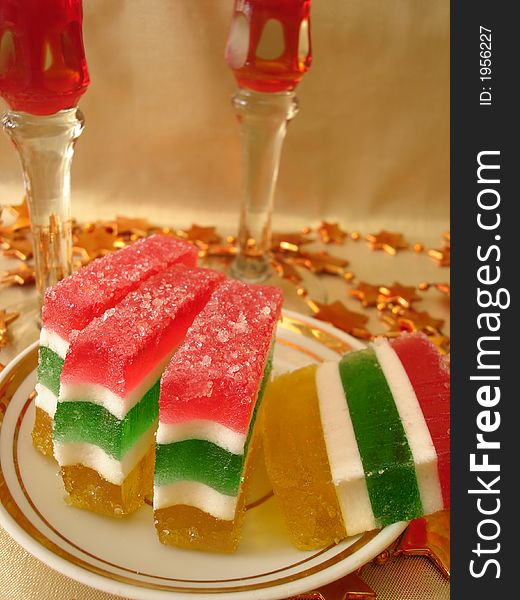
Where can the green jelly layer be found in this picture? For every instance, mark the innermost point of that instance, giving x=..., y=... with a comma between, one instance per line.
x=81, y=421
x=385, y=454
x=50, y=366
x=198, y=460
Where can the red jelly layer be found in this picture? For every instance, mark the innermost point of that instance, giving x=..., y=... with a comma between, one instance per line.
x=42, y=60
x=216, y=373
x=118, y=349
x=429, y=375
x=283, y=72
x=72, y=303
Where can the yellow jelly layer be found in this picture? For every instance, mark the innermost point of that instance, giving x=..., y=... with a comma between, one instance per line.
x=297, y=462
x=87, y=489
x=190, y=527
x=42, y=432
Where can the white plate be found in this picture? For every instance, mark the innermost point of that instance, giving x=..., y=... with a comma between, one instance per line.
x=124, y=557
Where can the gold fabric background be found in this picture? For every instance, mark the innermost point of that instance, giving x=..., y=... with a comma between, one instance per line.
x=370, y=145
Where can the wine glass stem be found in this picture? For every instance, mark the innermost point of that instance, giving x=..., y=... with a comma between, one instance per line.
x=263, y=119
x=45, y=145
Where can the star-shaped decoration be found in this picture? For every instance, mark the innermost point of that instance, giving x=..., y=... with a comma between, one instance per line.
x=443, y=288
x=285, y=270
x=403, y=295
x=21, y=248
x=202, y=236
x=22, y=216
x=95, y=240
x=331, y=233
x=22, y=275
x=442, y=342
x=5, y=320
x=366, y=293
x=412, y=320
x=290, y=241
x=137, y=227
x=388, y=241
x=428, y=536
x=442, y=256
x=340, y=316
x=321, y=262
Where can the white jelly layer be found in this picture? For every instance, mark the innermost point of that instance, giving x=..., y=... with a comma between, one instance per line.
x=46, y=400
x=414, y=424
x=202, y=429
x=92, y=456
x=344, y=459
x=54, y=342
x=115, y=404
x=198, y=495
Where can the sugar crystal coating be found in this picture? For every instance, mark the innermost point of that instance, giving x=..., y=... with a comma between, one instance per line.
x=117, y=349
x=74, y=301
x=236, y=320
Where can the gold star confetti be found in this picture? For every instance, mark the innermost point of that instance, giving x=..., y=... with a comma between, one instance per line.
x=21, y=248
x=366, y=293
x=429, y=536
x=201, y=235
x=443, y=288
x=22, y=275
x=5, y=320
x=399, y=294
x=331, y=233
x=321, y=262
x=443, y=256
x=442, y=342
x=286, y=270
x=95, y=240
x=340, y=316
x=390, y=242
x=22, y=219
x=411, y=320
x=355, y=236
x=138, y=227
x=290, y=241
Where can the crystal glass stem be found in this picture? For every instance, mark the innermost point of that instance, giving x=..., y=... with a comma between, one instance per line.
x=45, y=145
x=263, y=119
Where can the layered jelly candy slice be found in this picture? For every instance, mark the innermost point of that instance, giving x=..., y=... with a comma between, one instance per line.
x=210, y=393
x=384, y=416
x=108, y=404
x=71, y=304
